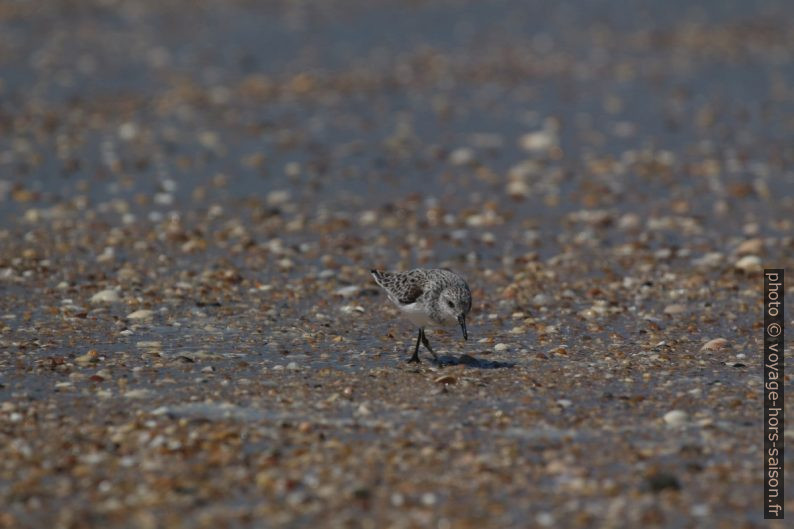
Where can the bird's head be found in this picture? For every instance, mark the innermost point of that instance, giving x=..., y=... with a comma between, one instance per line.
x=455, y=304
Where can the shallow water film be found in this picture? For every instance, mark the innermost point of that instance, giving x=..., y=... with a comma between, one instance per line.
x=193, y=193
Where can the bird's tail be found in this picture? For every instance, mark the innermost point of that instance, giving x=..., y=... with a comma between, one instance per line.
x=377, y=275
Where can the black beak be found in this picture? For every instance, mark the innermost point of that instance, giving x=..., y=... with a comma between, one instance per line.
x=462, y=321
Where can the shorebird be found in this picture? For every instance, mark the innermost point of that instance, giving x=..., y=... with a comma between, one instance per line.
x=429, y=298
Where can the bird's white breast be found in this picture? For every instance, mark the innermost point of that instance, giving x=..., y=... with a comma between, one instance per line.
x=419, y=315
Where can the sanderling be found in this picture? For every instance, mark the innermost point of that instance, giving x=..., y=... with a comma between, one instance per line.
x=429, y=298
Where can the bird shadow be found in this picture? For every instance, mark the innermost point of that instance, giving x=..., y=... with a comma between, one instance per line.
x=470, y=361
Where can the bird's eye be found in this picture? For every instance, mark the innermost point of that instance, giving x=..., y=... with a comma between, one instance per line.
x=450, y=304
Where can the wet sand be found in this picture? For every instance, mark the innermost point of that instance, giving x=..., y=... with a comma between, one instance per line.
x=192, y=195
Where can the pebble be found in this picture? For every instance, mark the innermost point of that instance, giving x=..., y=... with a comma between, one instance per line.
x=90, y=357
x=675, y=309
x=368, y=218
x=348, y=291
x=128, y=131
x=676, y=417
x=461, y=156
x=501, y=347
x=142, y=314
x=518, y=189
x=709, y=260
x=749, y=264
x=541, y=300
x=428, y=499
x=629, y=222
x=397, y=499
x=700, y=510
x=278, y=197
x=661, y=481
x=716, y=344
x=446, y=379
x=106, y=296
x=539, y=141
x=750, y=247
x=138, y=393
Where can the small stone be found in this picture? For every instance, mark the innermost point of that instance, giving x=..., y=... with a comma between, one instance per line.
x=700, y=510
x=278, y=197
x=629, y=222
x=106, y=296
x=518, y=189
x=717, y=344
x=675, y=309
x=107, y=255
x=749, y=264
x=661, y=481
x=142, y=314
x=501, y=347
x=709, y=260
x=137, y=394
x=540, y=300
x=750, y=247
x=564, y=403
x=461, y=156
x=347, y=292
x=305, y=427
x=89, y=358
x=368, y=218
x=428, y=499
x=163, y=199
x=676, y=417
x=397, y=499
x=538, y=141
x=446, y=379
x=293, y=366
x=128, y=131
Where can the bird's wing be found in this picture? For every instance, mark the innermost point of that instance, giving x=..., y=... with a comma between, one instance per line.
x=410, y=295
x=403, y=288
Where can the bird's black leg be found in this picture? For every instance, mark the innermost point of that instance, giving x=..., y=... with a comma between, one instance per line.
x=426, y=343
x=415, y=357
